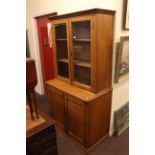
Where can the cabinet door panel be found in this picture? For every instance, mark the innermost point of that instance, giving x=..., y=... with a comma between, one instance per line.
x=57, y=107
x=60, y=40
x=82, y=49
x=81, y=52
x=76, y=118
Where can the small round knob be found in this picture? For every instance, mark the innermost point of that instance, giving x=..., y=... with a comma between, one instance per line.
x=74, y=37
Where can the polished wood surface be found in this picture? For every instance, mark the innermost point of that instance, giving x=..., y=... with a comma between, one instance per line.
x=75, y=116
x=57, y=106
x=72, y=90
x=57, y=85
x=99, y=118
x=104, y=43
x=31, y=82
x=31, y=76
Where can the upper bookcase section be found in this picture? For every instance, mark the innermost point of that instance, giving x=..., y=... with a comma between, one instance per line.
x=82, y=47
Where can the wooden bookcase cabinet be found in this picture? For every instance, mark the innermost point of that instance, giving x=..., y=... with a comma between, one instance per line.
x=80, y=95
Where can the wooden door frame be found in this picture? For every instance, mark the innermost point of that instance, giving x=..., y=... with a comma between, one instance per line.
x=78, y=19
x=61, y=21
x=37, y=49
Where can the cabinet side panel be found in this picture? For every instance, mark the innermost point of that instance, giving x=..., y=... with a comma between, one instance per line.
x=104, y=51
x=99, y=118
x=108, y=30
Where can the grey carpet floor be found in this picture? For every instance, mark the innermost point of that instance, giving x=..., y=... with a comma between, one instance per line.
x=112, y=146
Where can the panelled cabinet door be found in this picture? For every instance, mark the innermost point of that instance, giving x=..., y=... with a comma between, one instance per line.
x=60, y=42
x=56, y=101
x=81, y=48
x=76, y=118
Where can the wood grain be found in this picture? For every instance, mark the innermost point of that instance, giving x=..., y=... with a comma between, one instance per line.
x=104, y=51
x=75, y=118
x=57, y=105
x=99, y=118
x=69, y=89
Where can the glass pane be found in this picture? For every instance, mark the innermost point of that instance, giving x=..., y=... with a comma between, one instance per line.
x=61, y=50
x=82, y=52
x=63, y=69
x=82, y=74
x=61, y=31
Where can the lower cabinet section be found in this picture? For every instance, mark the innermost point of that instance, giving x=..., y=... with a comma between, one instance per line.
x=86, y=121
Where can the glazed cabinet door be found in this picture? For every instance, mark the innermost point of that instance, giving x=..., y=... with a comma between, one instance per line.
x=76, y=119
x=60, y=46
x=57, y=106
x=81, y=48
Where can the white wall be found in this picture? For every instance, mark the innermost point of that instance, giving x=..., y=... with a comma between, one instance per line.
x=38, y=7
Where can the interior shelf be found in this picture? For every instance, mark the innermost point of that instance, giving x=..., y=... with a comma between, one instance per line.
x=63, y=60
x=81, y=40
x=61, y=39
x=84, y=81
x=82, y=63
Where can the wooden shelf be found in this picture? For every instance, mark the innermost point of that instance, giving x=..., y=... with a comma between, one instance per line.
x=83, y=81
x=77, y=62
x=63, y=60
x=61, y=39
x=81, y=40
x=82, y=63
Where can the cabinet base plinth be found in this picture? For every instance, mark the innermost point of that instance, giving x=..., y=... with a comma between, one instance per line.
x=87, y=150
